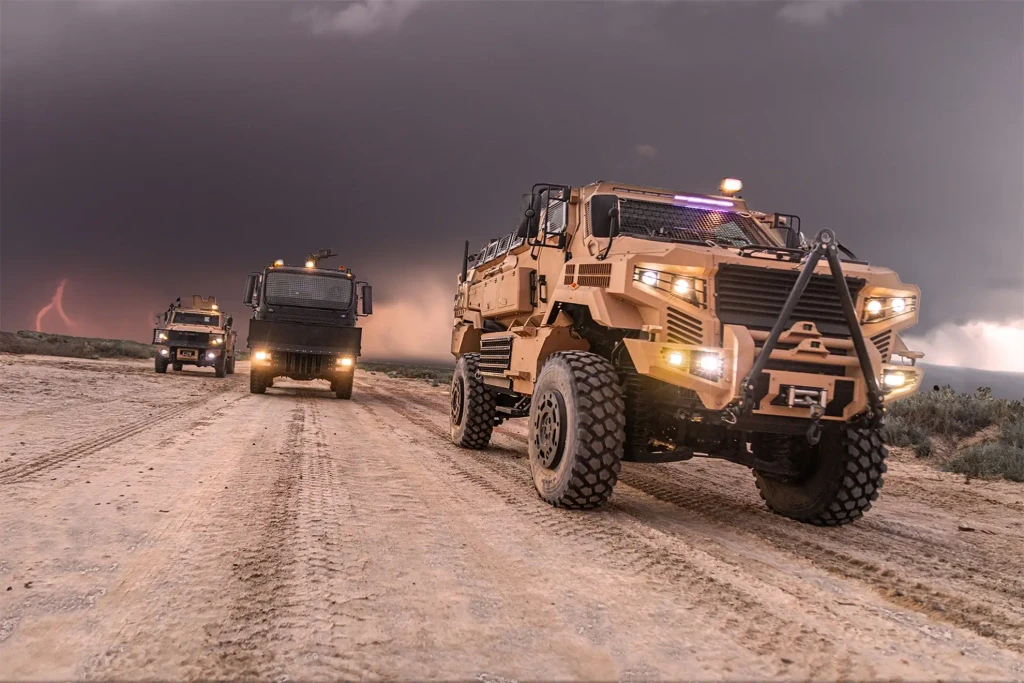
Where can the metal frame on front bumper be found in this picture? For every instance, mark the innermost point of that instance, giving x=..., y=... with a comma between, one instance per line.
x=748, y=386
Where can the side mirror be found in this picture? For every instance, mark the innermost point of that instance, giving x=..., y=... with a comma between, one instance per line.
x=367, y=296
x=156, y=320
x=230, y=321
x=250, y=288
x=604, y=215
x=791, y=225
x=529, y=216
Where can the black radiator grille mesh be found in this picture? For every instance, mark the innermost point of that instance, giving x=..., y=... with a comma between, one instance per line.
x=754, y=297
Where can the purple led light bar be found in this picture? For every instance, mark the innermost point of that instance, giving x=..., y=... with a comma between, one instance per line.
x=704, y=201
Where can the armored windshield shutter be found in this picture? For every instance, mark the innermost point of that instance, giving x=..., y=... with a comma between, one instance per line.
x=556, y=217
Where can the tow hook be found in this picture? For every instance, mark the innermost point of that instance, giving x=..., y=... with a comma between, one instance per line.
x=729, y=416
x=814, y=431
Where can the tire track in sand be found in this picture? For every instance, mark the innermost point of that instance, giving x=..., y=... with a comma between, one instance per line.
x=877, y=545
x=27, y=470
x=613, y=540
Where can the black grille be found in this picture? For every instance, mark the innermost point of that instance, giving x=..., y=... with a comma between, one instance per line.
x=495, y=355
x=183, y=338
x=684, y=223
x=881, y=342
x=754, y=297
x=683, y=328
x=305, y=363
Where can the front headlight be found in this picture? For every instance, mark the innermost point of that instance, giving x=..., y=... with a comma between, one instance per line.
x=217, y=340
x=163, y=336
x=706, y=364
x=344, y=362
x=885, y=307
x=691, y=289
x=261, y=355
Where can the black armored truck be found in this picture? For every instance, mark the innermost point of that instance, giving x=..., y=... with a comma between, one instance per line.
x=304, y=323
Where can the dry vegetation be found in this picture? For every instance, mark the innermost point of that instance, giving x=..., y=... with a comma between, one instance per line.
x=976, y=434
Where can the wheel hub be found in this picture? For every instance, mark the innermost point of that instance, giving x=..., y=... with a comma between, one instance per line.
x=457, y=402
x=549, y=429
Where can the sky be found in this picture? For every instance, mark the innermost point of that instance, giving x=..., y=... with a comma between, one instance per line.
x=152, y=149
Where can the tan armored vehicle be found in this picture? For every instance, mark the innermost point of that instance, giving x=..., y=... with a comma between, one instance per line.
x=647, y=325
x=200, y=335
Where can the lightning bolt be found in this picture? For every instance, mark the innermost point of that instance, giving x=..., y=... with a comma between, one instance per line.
x=56, y=302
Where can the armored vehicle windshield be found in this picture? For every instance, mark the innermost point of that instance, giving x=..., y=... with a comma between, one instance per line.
x=690, y=223
x=186, y=318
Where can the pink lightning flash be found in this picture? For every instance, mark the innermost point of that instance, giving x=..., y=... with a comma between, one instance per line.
x=56, y=302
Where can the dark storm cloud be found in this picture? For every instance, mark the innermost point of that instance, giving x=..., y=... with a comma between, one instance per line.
x=170, y=147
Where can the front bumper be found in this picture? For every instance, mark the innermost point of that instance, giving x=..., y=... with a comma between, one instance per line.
x=302, y=365
x=816, y=369
x=190, y=355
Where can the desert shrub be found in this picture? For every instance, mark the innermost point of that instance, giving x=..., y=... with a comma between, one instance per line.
x=923, y=448
x=436, y=376
x=953, y=415
x=1012, y=433
x=990, y=460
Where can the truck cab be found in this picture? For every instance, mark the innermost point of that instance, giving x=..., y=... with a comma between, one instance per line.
x=304, y=323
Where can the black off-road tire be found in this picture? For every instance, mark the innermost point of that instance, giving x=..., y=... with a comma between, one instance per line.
x=342, y=388
x=231, y=366
x=844, y=477
x=258, y=382
x=220, y=366
x=160, y=364
x=473, y=406
x=577, y=430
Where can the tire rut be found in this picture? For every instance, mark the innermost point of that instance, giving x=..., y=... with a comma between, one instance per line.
x=26, y=470
x=608, y=540
x=926, y=595
x=917, y=593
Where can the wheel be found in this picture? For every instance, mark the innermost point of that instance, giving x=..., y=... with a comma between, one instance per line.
x=270, y=382
x=177, y=367
x=231, y=365
x=577, y=430
x=841, y=476
x=342, y=388
x=160, y=364
x=473, y=405
x=220, y=366
x=258, y=382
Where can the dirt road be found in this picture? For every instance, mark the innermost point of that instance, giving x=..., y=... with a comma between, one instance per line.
x=176, y=526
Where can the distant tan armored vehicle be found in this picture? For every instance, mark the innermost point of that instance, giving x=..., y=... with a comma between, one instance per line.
x=200, y=335
x=639, y=324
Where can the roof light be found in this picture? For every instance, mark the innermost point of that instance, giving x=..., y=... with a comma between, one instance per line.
x=311, y=264
x=214, y=307
x=279, y=262
x=730, y=186
x=704, y=201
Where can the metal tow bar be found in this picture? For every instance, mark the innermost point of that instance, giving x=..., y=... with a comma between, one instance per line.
x=825, y=244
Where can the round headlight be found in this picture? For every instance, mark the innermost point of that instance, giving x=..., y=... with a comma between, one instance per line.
x=675, y=358
x=682, y=286
x=874, y=307
x=898, y=305
x=163, y=336
x=261, y=355
x=649, y=277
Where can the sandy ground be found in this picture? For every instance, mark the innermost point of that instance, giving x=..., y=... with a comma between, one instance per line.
x=176, y=526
